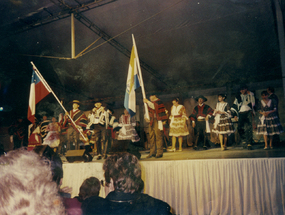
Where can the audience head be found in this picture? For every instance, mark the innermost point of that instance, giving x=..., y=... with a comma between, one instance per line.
x=26, y=185
x=47, y=153
x=90, y=187
x=123, y=171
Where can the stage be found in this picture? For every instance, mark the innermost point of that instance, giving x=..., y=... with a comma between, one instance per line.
x=235, y=181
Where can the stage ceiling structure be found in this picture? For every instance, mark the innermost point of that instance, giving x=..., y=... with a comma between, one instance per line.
x=182, y=45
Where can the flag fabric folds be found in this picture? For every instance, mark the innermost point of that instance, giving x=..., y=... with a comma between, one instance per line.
x=132, y=84
x=37, y=92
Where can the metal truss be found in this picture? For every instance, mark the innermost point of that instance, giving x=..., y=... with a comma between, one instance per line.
x=51, y=14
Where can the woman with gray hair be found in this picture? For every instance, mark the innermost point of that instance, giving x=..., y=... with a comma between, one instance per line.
x=26, y=185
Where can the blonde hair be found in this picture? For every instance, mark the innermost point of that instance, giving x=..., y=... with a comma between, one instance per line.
x=26, y=185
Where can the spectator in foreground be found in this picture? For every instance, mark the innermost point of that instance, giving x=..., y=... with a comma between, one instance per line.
x=123, y=179
x=90, y=187
x=26, y=185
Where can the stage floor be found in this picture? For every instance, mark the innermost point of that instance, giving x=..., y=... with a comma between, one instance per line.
x=232, y=152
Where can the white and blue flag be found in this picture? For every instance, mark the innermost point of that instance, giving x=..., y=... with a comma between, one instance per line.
x=133, y=82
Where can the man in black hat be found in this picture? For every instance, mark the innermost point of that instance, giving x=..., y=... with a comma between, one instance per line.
x=80, y=121
x=200, y=121
x=243, y=111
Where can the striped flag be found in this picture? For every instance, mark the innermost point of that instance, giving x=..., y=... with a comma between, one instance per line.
x=37, y=92
x=132, y=84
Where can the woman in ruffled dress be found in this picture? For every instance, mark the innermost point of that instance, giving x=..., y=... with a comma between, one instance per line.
x=128, y=133
x=223, y=125
x=178, y=126
x=52, y=139
x=269, y=123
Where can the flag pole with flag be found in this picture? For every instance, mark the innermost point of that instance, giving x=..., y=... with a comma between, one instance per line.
x=40, y=89
x=134, y=81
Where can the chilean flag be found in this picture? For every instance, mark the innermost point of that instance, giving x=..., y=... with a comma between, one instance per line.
x=37, y=92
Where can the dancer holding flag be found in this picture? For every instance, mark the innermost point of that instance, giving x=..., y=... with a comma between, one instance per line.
x=134, y=81
x=74, y=128
x=158, y=119
x=40, y=89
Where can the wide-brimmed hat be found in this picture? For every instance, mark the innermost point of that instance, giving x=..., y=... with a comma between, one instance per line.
x=202, y=97
x=75, y=101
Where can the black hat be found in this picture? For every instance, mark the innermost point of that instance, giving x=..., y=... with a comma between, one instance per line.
x=202, y=97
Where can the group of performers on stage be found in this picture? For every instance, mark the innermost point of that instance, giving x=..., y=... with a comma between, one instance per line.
x=100, y=127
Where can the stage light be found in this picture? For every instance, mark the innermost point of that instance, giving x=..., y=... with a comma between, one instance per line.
x=1, y=108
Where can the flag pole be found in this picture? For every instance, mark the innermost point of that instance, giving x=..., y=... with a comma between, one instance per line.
x=140, y=79
x=50, y=90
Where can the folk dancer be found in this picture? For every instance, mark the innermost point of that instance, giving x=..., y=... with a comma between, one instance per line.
x=273, y=96
x=158, y=119
x=80, y=120
x=97, y=123
x=178, y=125
x=53, y=137
x=243, y=111
x=200, y=121
x=269, y=123
x=223, y=125
x=128, y=135
x=34, y=135
x=112, y=126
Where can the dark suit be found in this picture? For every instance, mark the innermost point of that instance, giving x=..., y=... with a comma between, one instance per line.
x=125, y=203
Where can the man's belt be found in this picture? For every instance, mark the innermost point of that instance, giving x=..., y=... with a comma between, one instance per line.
x=177, y=116
x=201, y=120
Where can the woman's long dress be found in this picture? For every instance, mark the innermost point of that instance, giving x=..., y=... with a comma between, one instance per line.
x=178, y=118
x=128, y=131
x=269, y=125
x=223, y=123
x=52, y=139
